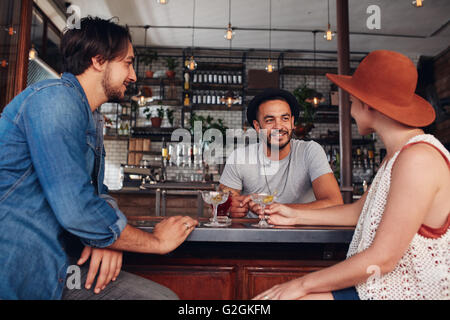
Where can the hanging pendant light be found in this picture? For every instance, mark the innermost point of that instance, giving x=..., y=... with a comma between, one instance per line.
x=329, y=34
x=32, y=54
x=418, y=3
x=229, y=34
x=316, y=97
x=191, y=64
x=229, y=99
x=269, y=67
x=140, y=97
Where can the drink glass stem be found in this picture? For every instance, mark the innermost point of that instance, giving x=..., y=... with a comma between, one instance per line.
x=263, y=220
x=215, y=213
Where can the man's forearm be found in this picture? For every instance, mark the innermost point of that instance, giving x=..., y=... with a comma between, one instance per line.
x=135, y=240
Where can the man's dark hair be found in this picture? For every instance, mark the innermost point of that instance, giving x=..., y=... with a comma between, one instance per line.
x=269, y=99
x=96, y=37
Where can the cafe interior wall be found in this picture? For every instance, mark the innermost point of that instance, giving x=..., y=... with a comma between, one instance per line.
x=116, y=150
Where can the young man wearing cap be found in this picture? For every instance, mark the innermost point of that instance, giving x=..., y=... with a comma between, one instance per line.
x=400, y=249
x=295, y=171
x=51, y=181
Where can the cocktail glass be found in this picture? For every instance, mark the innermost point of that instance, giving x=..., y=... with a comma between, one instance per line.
x=215, y=198
x=223, y=211
x=262, y=199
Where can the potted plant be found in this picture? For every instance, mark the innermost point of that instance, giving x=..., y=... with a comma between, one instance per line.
x=156, y=121
x=302, y=128
x=147, y=59
x=171, y=65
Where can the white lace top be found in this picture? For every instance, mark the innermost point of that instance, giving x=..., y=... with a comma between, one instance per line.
x=424, y=270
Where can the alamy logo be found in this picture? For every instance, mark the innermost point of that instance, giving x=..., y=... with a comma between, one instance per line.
x=74, y=18
x=374, y=20
x=73, y=277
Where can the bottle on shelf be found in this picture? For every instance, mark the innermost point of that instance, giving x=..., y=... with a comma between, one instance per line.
x=186, y=101
x=164, y=156
x=186, y=81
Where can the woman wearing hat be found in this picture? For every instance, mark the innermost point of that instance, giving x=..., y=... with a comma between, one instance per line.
x=401, y=245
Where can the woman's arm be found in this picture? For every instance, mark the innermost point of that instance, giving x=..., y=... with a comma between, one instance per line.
x=416, y=177
x=341, y=215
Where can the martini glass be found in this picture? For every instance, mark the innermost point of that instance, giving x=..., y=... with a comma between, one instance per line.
x=215, y=198
x=262, y=199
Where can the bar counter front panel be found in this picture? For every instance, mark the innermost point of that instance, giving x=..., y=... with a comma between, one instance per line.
x=239, y=261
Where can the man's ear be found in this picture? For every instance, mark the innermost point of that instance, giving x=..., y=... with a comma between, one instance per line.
x=98, y=63
x=256, y=125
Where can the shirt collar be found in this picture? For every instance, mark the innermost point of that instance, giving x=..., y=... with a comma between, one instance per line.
x=69, y=77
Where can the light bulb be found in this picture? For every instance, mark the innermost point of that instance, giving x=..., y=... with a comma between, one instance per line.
x=162, y=1
x=269, y=67
x=192, y=65
x=229, y=101
x=32, y=54
x=230, y=33
x=418, y=3
x=328, y=34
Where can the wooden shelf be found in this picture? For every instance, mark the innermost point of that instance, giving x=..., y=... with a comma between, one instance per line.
x=205, y=66
x=309, y=71
x=216, y=86
x=160, y=81
x=115, y=137
x=213, y=107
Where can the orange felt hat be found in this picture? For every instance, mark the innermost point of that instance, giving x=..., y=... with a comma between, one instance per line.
x=386, y=81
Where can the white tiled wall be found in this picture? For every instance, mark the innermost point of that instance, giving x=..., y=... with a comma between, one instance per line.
x=116, y=154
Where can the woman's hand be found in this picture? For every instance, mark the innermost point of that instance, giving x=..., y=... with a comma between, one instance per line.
x=111, y=263
x=291, y=290
x=281, y=214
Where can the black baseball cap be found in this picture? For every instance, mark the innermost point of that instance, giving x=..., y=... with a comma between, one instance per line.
x=270, y=94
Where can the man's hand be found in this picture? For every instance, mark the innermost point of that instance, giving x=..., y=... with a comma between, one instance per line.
x=239, y=206
x=280, y=214
x=254, y=207
x=171, y=232
x=111, y=263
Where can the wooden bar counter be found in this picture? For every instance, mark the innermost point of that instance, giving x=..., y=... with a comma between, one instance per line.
x=239, y=261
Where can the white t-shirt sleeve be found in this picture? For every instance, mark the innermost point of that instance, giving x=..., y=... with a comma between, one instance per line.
x=231, y=176
x=316, y=160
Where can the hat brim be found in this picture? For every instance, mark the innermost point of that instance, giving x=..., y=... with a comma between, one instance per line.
x=418, y=113
x=267, y=94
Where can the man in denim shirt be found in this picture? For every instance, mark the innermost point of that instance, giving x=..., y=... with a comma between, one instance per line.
x=51, y=178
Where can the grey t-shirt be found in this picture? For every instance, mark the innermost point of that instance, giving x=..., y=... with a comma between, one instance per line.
x=249, y=170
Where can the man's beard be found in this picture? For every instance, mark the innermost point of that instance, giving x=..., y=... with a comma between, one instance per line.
x=280, y=146
x=113, y=94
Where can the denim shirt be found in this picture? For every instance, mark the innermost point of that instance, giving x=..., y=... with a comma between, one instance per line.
x=51, y=182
